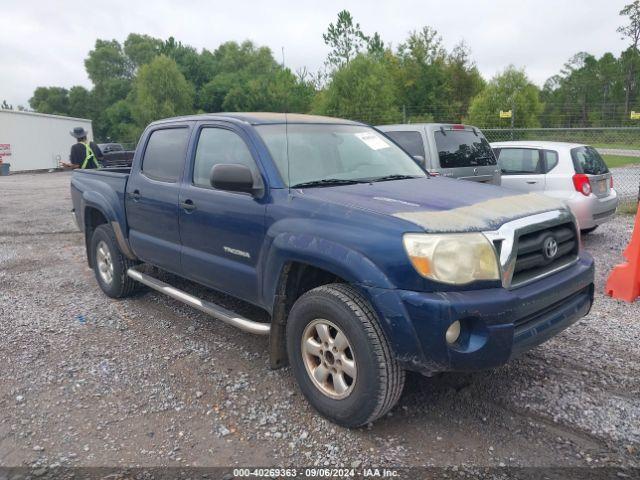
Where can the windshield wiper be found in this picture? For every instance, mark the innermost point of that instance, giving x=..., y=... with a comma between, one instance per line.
x=326, y=182
x=393, y=177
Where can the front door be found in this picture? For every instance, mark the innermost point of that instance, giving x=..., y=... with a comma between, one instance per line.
x=522, y=169
x=222, y=232
x=152, y=198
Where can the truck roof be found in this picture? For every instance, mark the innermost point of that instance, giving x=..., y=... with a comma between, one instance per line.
x=261, y=118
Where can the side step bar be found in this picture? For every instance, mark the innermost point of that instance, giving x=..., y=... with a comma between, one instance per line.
x=209, y=308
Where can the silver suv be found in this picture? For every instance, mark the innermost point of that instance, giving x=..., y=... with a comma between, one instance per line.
x=450, y=150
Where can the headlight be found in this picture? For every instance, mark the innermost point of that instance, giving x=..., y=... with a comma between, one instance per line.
x=452, y=258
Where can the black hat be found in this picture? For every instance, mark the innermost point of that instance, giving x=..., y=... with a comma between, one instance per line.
x=79, y=132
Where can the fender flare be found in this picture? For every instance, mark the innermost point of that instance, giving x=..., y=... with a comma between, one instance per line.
x=322, y=253
x=95, y=200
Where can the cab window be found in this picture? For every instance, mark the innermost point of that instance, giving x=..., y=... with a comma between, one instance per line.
x=219, y=146
x=164, y=154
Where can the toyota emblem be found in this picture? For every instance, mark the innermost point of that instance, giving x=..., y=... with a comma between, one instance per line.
x=550, y=247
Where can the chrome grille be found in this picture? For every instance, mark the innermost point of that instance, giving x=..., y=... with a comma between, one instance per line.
x=544, y=250
x=520, y=246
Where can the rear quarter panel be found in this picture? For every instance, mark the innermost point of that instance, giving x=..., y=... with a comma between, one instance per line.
x=102, y=190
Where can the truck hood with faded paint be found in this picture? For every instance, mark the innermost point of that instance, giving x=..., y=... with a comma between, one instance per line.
x=438, y=204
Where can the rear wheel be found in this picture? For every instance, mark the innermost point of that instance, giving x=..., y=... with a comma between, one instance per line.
x=340, y=356
x=110, y=265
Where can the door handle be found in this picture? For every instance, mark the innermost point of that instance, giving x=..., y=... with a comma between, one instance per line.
x=532, y=182
x=135, y=195
x=187, y=205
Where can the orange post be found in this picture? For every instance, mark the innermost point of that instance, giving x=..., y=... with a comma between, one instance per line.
x=624, y=280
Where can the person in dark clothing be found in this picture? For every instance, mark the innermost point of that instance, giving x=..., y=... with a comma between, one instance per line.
x=83, y=154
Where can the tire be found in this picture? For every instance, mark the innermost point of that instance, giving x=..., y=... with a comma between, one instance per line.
x=379, y=379
x=103, y=243
x=587, y=231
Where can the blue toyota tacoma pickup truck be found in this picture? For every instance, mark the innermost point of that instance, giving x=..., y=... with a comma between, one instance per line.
x=366, y=265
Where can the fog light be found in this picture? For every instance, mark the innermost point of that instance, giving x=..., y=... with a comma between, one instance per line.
x=453, y=332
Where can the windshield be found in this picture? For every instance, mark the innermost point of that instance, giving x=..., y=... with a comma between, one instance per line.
x=588, y=160
x=463, y=148
x=333, y=152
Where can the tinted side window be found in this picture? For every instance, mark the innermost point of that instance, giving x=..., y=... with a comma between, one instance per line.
x=463, y=148
x=411, y=142
x=216, y=146
x=519, y=161
x=551, y=160
x=165, y=153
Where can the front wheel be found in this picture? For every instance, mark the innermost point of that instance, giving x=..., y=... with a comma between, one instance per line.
x=340, y=357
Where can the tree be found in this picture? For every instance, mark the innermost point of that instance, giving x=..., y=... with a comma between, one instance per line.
x=160, y=90
x=345, y=39
x=141, y=49
x=631, y=32
x=107, y=61
x=120, y=124
x=236, y=67
x=587, y=92
x=80, y=102
x=190, y=63
x=509, y=90
x=419, y=73
x=462, y=80
x=280, y=92
x=54, y=100
x=5, y=106
x=375, y=45
x=362, y=90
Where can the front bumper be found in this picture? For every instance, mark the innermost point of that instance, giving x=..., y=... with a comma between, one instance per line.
x=498, y=324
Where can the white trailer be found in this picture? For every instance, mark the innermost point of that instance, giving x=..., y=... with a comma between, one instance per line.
x=37, y=141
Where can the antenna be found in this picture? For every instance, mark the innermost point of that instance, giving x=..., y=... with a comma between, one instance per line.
x=286, y=130
x=286, y=140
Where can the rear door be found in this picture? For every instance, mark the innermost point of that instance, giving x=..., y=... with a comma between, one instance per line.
x=463, y=152
x=152, y=197
x=222, y=232
x=522, y=168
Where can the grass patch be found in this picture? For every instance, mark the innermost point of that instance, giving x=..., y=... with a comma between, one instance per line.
x=627, y=208
x=620, y=146
x=614, y=161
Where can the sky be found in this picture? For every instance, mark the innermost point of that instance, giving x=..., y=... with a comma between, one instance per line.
x=44, y=43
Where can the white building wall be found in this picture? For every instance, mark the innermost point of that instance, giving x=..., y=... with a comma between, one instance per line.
x=38, y=141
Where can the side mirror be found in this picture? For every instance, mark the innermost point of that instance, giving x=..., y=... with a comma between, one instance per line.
x=232, y=177
x=419, y=159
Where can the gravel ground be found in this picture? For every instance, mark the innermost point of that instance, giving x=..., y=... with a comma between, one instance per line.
x=147, y=381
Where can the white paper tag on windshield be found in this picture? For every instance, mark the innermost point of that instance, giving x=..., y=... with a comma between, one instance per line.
x=373, y=141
